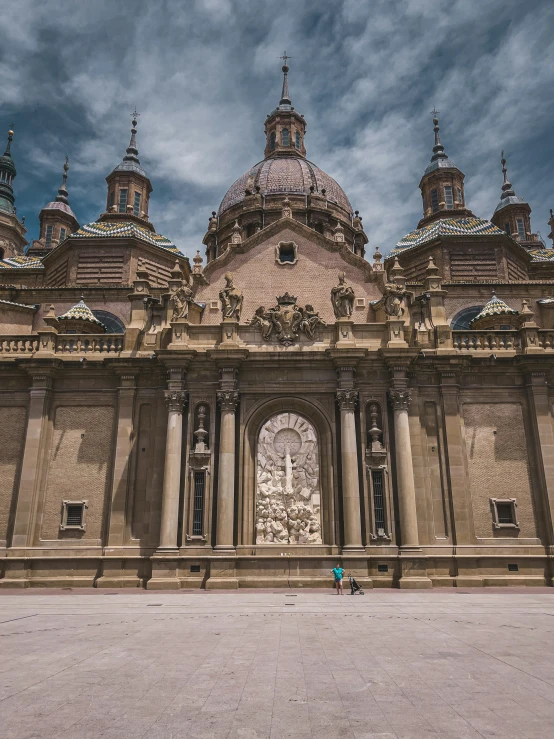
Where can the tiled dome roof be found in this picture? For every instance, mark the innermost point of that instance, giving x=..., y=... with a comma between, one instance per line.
x=81, y=312
x=447, y=227
x=21, y=262
x=120, y=229
x=495, y=307
x=285, y=175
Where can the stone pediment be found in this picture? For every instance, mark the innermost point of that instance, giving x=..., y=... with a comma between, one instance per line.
x=272, y=232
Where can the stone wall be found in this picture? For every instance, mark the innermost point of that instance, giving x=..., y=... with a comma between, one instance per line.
x=79, y=467
x=498, y=465
x=12, y=439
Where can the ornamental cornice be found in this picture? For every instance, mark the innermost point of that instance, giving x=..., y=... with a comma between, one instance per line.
x=228, y=400
x=347, y=399
x=400, y=399
x=175, y=400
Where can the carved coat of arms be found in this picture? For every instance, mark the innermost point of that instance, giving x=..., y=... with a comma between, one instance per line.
x=286, y=320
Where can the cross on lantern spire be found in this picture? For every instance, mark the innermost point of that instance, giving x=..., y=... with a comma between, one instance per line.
x=285, y=96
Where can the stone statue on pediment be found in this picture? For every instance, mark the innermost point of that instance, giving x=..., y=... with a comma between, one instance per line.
x=342, y=298
x=231, y=299
x=181, y=300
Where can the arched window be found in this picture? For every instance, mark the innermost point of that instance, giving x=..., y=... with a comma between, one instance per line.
x=272, y=140
x=285, y=137
x=113, y=324
x=298, y=140
x=461, y=320
x=1, y=254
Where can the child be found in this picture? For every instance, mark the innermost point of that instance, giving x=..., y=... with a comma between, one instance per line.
x=338, y=573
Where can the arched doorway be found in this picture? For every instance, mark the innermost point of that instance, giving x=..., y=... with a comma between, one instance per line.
x=288, y=494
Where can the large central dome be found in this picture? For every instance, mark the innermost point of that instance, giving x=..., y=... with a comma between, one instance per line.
x=287, y=175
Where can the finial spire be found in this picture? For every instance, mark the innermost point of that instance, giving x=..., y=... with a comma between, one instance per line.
x=62, y=196
x=7, y=153
x=285, y=97
x=438, y=148
x=507, y=189
x=132, y=151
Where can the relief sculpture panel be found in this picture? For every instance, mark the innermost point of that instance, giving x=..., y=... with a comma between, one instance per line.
x=288, y=496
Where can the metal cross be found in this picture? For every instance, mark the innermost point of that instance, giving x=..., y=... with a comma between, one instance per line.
x=285, y=57
x=134, y=115
x=434, y=113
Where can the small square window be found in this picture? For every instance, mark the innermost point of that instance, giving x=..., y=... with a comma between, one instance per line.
x=73, y=515
x=195, y=568
x=382, y=568
x=286, y=252
x=504, y=513
x=513, y=567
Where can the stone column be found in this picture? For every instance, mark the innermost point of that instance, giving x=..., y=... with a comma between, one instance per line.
x=347, y=399
x=227, y=400
x=175, y=398
x=544, y=433
x=37, y=421
x=400, y=400
x=124, y=444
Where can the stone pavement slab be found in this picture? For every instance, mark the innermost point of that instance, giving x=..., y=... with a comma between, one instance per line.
x=449, y=664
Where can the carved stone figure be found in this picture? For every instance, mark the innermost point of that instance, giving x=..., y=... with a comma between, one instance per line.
x=310, y=321
x=231, y=299
x=288, y=500
x=286, y=320
x=181, y=301
x=393, y=300
x=342, y=298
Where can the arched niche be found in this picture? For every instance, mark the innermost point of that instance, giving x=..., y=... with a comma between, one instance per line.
x=323, y=429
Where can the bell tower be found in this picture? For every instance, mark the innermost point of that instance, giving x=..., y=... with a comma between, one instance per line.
x=513, y=214
x=285, y=128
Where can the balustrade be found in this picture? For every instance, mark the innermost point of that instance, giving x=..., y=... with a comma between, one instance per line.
x=495, y=341
x=18, y=344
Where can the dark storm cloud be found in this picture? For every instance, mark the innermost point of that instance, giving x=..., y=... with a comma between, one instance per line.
x=204, y=74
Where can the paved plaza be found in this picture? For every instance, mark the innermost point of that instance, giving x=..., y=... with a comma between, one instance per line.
x=456, y=664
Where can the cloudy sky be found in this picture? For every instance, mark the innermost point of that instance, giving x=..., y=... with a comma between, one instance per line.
x=204, y=73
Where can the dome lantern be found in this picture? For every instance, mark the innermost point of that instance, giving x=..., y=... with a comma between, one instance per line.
x=285, y=128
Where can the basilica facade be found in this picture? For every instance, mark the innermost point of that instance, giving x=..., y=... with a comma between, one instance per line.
x=290, y=400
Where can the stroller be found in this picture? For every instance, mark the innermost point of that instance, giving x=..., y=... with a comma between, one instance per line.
x=354, y=587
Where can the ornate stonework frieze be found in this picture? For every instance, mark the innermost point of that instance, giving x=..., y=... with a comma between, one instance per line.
x=231, y=299
x=347, y=399
x=400, y=399
x=228, y=399
x=288, y=498
x=175, y=399
x=342, y=298
x=286, y=320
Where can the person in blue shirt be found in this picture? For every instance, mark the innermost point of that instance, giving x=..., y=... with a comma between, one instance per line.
x=338, y=573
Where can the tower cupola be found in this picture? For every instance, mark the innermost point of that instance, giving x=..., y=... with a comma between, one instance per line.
x=285, y=128
x=128, y=185
x=12, y=230
x=57, y=220
x=442, y=184
x=513, y=214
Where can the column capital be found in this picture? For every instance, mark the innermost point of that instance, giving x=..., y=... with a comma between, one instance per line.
x=176, y=400
x=347, y=399
x=400, y=399
x=228, y=400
